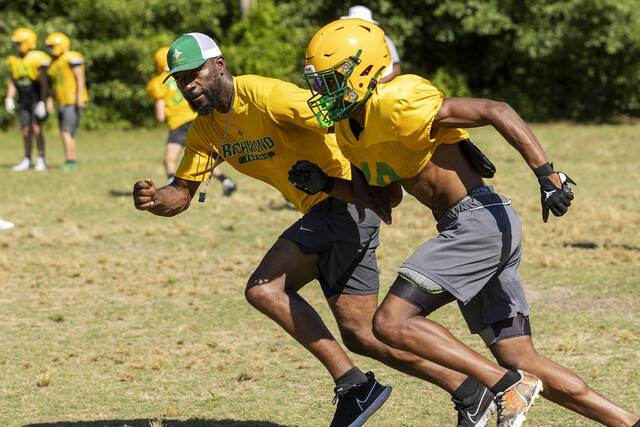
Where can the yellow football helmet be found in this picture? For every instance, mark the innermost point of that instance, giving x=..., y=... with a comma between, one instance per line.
x=58, y=43
x=344, y=60
x=161, y=59
x=25, y=39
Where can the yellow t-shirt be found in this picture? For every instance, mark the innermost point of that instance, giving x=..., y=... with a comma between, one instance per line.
x=271, y=129
x=176, y=108
x=396, y=142
x=24, y=70
x=65, y=86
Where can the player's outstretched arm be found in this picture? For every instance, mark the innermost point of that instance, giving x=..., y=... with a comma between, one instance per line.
x=556, y=195
x=169, y=200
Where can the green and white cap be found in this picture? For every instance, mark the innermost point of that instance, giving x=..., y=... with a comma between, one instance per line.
x=190, y=51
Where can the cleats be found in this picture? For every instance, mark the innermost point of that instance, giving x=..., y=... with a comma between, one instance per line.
x=40, y=164
x=359, y=403
x=477, y=409
x=23, y=165
x=514, y=402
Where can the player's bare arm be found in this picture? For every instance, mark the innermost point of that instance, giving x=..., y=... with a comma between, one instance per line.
x=556, y=195
x=44, y=83
x=78, y=74
x=159, y=107
x=476, y=112
x=169, y=200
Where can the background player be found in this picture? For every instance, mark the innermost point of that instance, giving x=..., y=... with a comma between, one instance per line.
x=29, y=79
x=69, y=87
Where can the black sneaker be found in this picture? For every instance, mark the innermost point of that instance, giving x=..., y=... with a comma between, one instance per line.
x=359, y=403
x=477, y=409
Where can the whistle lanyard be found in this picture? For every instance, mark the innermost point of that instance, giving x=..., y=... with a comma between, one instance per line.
x=203, y=194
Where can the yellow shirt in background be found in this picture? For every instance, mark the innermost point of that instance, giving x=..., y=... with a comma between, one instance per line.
x=396, y=142
x=65, y=86
x=176, y=108
x=271, y=129
x=24, y=70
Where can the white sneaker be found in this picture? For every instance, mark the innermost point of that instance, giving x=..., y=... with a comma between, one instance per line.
x=5, y=225
x=23, y=165
x=228, y=187
x=40, y=164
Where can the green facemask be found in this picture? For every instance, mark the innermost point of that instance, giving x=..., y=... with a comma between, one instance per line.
x=333, y=100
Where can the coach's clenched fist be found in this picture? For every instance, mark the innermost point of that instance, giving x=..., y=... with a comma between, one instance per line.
x=143, y=193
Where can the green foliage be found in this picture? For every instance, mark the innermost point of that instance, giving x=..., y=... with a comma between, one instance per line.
x=270, y=42
x=550, y=59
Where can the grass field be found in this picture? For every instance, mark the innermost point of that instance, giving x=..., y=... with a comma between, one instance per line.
x=114, y=317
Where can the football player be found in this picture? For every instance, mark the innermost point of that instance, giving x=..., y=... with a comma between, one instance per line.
x=29, y=80
x=407, y=133
x=68, y=81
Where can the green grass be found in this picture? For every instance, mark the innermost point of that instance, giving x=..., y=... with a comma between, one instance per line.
x=116, y=317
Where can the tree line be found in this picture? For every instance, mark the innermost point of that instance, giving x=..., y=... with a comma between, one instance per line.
x=549, y=59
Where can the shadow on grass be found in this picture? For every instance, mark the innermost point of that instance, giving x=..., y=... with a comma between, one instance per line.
x=282, y=206
x=165, y=423
x=591, y=245
x=119, y=193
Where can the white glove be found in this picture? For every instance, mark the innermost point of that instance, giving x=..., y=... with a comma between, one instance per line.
x=9, y=105
x=40, y=111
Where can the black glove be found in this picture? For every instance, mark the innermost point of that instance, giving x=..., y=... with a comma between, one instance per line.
x=553, y=198
x=308, y=177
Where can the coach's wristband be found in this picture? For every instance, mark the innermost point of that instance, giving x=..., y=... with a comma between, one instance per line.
x=544, y=170
x=328, y=185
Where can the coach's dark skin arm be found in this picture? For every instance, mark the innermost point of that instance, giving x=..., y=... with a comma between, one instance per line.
x=169, y=200
x=475, y=112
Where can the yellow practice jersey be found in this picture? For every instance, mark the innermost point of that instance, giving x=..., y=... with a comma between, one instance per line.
x=63, y=81
x=397, y=140
x=176, y=108
x=24, y=70
x=271, y=128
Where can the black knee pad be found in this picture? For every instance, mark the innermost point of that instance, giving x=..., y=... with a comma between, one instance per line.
x=426, y=301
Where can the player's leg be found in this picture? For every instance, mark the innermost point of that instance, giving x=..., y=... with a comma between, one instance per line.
x=305, y=251
x=401, y=324
x=273, y=289
x=25, y=118
x=473, y=401
x=69, y=121
x=354, y=315
x=561, y=385
x=171, y=152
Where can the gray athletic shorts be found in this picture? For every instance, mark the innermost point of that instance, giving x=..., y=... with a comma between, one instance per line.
x=26, y=115
x=346, y=249
x=179, y=134
x=475, y=258
x=69, y=118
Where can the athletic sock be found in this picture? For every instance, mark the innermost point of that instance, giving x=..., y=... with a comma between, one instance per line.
x=466, y=389
x=350, y=379
x=170, y=176
x=509, y=379
x=221, y=178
